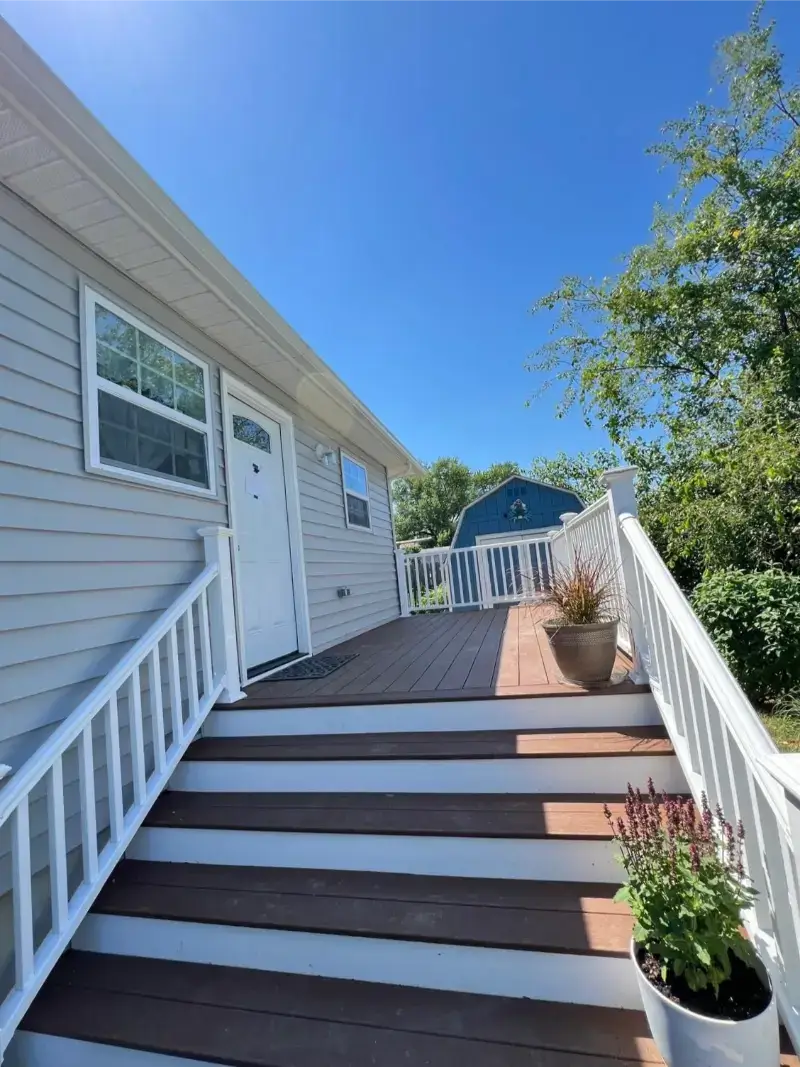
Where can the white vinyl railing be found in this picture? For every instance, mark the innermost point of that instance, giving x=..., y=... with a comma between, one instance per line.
x=726, y=753
x=483, y=576
x=720, y=742
x=127, y=738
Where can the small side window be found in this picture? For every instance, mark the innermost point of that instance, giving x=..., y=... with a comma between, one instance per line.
x=355, y=484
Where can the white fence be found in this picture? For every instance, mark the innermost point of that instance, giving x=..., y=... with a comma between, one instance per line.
x=445, y=579
x=189, y=659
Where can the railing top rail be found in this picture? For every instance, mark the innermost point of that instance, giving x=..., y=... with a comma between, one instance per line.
x=446, y=550
x=734, y=706
x=587, y=513
x=32, y=771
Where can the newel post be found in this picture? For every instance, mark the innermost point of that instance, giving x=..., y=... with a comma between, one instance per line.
x=566, y=519
x=217, y=542
x=402, y=582
x=620, y=484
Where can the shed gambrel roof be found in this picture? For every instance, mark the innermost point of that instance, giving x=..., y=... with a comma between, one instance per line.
x=500, y=485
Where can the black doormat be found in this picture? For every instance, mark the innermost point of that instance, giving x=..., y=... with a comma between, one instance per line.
x=314, y=667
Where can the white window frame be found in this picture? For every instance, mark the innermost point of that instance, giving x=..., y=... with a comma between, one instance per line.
x=351, y=492
x=95, y=383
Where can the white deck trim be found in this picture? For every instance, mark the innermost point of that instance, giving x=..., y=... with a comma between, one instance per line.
x=605, y=981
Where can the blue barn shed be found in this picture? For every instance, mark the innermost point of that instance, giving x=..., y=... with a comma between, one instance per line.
x=493, y=516
x=517, y=508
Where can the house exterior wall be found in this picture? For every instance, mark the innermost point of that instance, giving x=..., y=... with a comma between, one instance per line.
x=490, y=514
x=88, y=562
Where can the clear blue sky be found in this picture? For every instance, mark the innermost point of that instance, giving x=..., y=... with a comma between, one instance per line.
x=401, y=180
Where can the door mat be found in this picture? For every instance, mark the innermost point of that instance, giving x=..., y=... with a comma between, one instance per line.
x=314, y=667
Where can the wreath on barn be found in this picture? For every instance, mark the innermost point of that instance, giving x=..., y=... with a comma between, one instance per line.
x=518, y=510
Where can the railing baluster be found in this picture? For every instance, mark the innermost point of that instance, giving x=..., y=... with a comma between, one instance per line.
x=191, y=662
x=205, y=645
x=687, y=723
x=116, y=812
x=700, y=716
x=418, y=577
x=23, y=892
x=88, y=804
x=137, y=736
x=494, y=585
x=157, y=709
x=57, y=840
x=175, y=694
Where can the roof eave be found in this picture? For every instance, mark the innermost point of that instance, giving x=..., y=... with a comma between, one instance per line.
x=55, y=112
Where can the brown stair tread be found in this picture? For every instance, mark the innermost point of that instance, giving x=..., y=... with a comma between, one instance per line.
x=536, y=916
x=249, y=1018
x=501, y=815
x=474, y=744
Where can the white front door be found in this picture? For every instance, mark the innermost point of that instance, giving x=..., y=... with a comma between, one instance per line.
x=263, y=548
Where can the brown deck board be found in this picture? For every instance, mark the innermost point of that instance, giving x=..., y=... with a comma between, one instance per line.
x=441, y=664
x=444, y=637
x=551, y=918
x=498, y=653
x=253, y=1018
x=482, y=671
x=504, y=815
x=507, y=671
x=476, y=744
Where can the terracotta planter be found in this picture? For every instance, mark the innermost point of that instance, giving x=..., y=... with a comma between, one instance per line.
x=584, y=654
x=686, y=1039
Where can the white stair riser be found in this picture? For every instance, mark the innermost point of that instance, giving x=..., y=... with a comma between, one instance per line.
x=539, y=713
x=461, y=857
x=576, y=979
x=582, y=774
x=44, y=1050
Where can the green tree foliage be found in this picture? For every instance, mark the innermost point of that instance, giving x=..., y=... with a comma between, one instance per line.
x=713, y=300
x=579, y=473
x=726, y=493
x=483, y=481
x=429, y=506
x=755, y=621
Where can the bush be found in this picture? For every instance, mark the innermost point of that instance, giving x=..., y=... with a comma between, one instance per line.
x=754, y=620
x=432, y=597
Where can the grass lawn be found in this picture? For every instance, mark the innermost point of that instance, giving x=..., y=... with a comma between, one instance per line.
x=784, y=729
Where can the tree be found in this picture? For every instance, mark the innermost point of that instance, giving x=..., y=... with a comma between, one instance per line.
x=579, y=473
x=483, y=481
x=712, y=302
x=429, y=506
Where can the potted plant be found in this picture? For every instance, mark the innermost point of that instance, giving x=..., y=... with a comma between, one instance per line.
x=707, y=997
x=582, y=630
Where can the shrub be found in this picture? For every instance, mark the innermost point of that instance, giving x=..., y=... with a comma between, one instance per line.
x=754, y=620
x=686, y=885
x=433, y=597
x=583, y=592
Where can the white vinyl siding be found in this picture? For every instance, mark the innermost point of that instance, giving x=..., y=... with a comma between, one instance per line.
x=87, y=562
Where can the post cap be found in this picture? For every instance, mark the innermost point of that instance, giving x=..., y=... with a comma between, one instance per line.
x=618, y=474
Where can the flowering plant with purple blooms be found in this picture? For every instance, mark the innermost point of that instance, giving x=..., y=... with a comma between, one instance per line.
x=687, y=886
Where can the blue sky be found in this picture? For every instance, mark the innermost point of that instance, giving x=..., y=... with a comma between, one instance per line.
x=401, y=180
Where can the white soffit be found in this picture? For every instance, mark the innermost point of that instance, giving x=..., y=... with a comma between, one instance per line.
x=55, y=155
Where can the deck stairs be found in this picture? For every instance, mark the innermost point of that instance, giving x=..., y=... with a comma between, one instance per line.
x=404, y=884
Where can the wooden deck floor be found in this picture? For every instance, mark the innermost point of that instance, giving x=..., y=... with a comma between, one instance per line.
x=464, y=655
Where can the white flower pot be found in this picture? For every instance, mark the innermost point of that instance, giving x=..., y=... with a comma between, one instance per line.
x=686, y=1039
